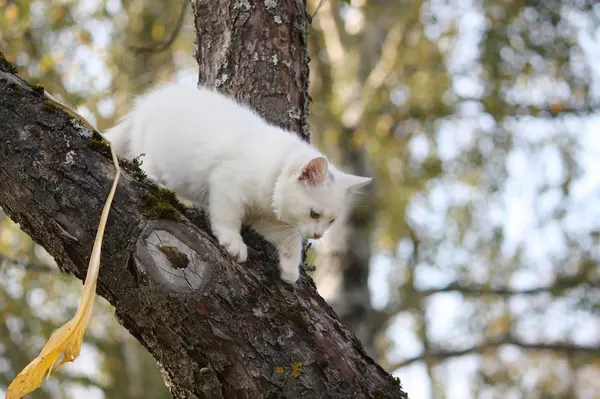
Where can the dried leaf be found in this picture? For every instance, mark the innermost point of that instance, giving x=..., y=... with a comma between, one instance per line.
x=66, y=341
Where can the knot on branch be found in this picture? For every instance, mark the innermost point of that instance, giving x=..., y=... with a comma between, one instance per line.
x=173, y=256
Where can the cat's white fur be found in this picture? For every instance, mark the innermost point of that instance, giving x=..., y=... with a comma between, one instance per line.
x=222, y=156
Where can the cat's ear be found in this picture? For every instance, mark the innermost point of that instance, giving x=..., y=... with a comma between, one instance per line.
x=355, y=183
x=315, y=171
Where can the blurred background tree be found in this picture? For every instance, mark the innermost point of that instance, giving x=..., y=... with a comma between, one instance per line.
x=469, y=270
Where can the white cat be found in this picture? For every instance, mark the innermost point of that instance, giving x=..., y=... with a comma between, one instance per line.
x=222, y=156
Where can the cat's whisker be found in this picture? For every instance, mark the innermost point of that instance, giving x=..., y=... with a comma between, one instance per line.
x=293, y=240
x=277, y=235
x=285, y=227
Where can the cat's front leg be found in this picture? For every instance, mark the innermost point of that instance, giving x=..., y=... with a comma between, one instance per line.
x=289, y=262
x=288, y=243
x=226, y=214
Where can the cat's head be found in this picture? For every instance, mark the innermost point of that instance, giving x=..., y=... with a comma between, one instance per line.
x=313, y=197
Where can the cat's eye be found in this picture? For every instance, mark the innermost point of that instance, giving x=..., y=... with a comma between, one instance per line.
x=331, y=221
x=314, y=215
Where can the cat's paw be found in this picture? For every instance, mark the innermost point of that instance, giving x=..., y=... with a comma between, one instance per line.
x=289, y=270
x=234, y=244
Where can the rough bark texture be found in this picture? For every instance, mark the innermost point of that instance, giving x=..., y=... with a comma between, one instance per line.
x=217, y=329
x=256, y=52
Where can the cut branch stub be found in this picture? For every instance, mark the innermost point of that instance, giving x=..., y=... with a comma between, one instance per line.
x=174, y=256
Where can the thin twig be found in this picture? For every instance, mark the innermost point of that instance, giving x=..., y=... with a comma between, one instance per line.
x=565, y=347
x=383, y=68
x=162, y=45
x=317, y=9
x=561, y=284
x=37, y=267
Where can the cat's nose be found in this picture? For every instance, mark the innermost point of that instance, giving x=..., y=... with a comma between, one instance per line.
x=317, y=235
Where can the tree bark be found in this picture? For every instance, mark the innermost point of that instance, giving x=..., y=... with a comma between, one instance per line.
x=217, y=329
x=256, y=51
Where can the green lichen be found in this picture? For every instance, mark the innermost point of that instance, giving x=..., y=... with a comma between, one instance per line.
x=38, y=88
x=49, y=106
x=136, y=169
x=379, y=394
x=309, y=267
x=154, y=209
x=6, y=65
x=296, y=369
x=97, y=136
x=382, y=394
x=99, y=144
x=160, y=204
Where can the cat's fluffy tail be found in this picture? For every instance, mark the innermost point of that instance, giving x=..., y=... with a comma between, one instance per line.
x=119, y=136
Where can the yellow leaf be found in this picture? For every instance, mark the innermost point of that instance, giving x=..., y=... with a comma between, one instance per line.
x=46, y=63
x=57, y=14
x=296, y=369
x=158, y=31
x=66, y=341
x=385, y=241
x=85, y=36
x=11, y=12
x=556, y=107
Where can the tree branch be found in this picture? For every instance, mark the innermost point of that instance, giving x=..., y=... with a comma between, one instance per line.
x=317, y=8
x=355, y=109
x=334, y=46
x=480, y=289
x=564, y=347
x=562, y=283
x=218, y=329
x=411, y=299
x=29, y=266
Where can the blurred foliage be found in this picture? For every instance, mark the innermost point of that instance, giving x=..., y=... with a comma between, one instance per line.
x=481, y=128
x=35, y=298
x=479, y=121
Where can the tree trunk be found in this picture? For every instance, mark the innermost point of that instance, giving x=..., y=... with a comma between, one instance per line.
x=257, y=53
x=343, y=262
x=216, y=328
x=344, y=255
